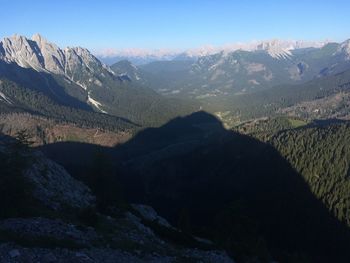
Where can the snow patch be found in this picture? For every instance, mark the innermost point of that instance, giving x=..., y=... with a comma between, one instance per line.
x=67, y=80
x=108, y=69
x=95, y=103
x=254, y=82
x=80, y=84
x=279, y=53
x=98, y=83
x=133, y=66
x=4, y=98
x=220, y=62
x=277, y=49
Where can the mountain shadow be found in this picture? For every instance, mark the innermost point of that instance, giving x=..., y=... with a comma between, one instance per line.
x=220, y=184
x=45, y=83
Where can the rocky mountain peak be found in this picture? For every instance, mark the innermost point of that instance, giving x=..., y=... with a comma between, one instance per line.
x=75, y=64
x=276, y=49
x=20, y=50
x=42, y=55
x=38, y=38
x=126, y=70
x=345, y=48
x=53, y=56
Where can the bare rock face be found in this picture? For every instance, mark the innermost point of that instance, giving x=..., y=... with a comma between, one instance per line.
x=54, y=187
x=24, y=52
x=53, y=57
x=50, y=183
x=345, y=49
x=76, y=64
x=276, y=49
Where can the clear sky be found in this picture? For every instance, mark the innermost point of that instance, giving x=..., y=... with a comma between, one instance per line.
x=174, y=24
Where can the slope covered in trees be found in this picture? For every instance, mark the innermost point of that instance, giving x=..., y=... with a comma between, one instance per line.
x=27, y=100
x=321, y=155
x=233, y=188
x=271, y=102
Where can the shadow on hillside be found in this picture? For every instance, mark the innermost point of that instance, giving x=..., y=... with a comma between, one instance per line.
x=321, y=123
x=46, y=84
x=193, y=164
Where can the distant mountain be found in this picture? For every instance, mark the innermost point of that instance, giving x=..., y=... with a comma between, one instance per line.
x=144, y=56
x=74, y=77
x=264, y=66
x=76, y=65
x=344, y=49
x=136, y=60
x=127, y=70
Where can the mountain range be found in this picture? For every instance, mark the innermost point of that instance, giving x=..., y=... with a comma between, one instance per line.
x=144, y=56
x=247, y=84
x=153, y=93
x=240, y=71
x=244, y=146
x=75, y=78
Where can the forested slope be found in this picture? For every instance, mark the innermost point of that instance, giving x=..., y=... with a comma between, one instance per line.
x=322, y=156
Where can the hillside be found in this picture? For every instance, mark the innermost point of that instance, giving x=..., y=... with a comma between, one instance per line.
x=317, y=150
x=292, y=100
x=254, y=189
x=47, y=216
x=320, y=155
x=175, y=131
x=203, y=177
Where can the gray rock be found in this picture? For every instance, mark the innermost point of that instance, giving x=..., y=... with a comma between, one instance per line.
x=150, y=214
x=48, y=229
x=14, y=253
x=54, y=187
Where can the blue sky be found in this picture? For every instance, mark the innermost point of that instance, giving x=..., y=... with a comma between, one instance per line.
x=174, y=24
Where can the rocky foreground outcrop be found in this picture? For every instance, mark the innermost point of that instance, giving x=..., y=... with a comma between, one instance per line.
x=128, y=240
x=54, y=187
x=13, y=253
x=64, y=232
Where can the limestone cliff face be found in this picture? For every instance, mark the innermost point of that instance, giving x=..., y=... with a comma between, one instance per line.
x=75, y=65
x=41, y=55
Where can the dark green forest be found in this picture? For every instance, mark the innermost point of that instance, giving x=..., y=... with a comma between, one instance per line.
x=36, y=103
x=269, y=102
x=321, y=155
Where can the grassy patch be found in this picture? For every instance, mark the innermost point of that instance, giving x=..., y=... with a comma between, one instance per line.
x=297, y=123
